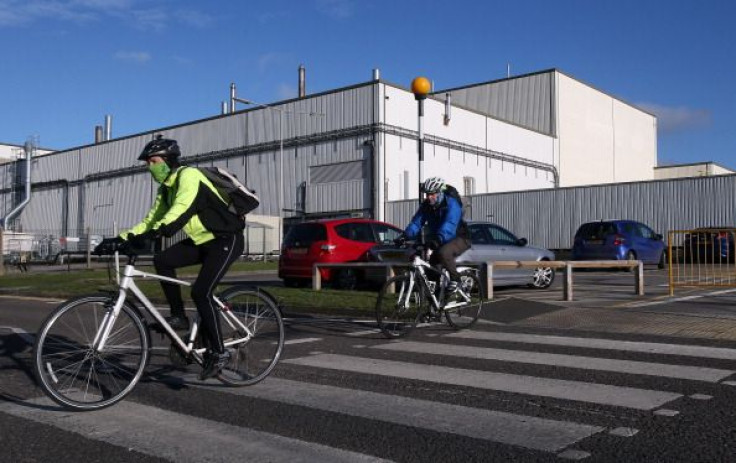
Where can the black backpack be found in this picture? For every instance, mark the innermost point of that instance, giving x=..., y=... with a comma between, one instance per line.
x=462, y=229
x=240, y=200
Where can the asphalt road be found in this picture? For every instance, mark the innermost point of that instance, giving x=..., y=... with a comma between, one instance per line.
x=507, y=390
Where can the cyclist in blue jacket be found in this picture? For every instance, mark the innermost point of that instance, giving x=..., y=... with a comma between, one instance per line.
x=442, y=211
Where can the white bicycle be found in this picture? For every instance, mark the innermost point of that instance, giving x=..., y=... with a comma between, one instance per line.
x=414, y=297
x=92, y=350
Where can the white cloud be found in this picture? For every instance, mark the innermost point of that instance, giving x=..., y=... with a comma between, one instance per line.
x=139, y=57
x=24, y=12
x=195, y=18
x=672, y=119
x=338, y=9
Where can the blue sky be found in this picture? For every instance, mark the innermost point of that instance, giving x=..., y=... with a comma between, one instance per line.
x=154, y=63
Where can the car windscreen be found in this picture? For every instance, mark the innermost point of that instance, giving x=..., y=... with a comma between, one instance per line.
x=386, y=234
x=305, y=234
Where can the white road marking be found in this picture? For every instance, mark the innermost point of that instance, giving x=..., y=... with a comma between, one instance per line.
x=502, y=427
x=640, y=399
x=23, y=334
x=178, y=437
x=302, y=340
x=595, y=343
x=712, y=375
x=682, y=299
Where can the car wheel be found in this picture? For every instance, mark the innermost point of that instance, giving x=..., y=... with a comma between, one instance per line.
x=543, y=277
x=347, y=279
x=662, y=260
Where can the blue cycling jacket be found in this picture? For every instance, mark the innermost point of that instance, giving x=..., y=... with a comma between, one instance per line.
x=443, y=220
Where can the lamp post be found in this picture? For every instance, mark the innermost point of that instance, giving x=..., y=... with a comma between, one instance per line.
x=420, y=87
x=281, y=153
x=281, y=159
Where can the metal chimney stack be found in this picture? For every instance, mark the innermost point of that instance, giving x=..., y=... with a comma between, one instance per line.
x=98, y=134
x=376, y=74
x=302, y=81
x=108, y=127
x=232, y=97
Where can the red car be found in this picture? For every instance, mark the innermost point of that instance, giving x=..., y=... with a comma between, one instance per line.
x=337, y=240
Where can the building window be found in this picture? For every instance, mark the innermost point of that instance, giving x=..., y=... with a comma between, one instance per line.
x=468, y=186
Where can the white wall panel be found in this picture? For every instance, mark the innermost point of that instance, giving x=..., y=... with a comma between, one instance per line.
x=602, y=140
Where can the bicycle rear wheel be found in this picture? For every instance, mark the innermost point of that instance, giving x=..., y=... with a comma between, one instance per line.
x=74, y=374
x=398, y=308
x=462, y=313
x=252, y=360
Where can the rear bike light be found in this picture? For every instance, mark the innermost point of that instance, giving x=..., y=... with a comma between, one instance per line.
x=618, y=239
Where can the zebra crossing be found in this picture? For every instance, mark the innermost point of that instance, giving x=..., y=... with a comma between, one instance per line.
x=596, y=387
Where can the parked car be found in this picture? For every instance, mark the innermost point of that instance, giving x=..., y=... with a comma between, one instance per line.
x=709, y=244
x=491, y=242
x=619, y=240
x=337, y=240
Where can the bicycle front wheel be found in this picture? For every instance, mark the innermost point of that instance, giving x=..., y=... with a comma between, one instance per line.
x=464, y=306
x=398, y=307
x=249, y=311
x=72, y=372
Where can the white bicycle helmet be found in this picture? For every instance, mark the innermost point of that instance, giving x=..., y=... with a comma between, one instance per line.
x=433, y=185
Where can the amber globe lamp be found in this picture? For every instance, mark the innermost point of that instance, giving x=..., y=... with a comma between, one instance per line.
x=420, y=87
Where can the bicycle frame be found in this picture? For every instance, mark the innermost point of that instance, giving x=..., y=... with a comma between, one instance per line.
x=130, y=273
x=419, y=267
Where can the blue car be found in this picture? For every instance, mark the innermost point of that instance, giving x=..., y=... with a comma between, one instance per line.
x=619, y=240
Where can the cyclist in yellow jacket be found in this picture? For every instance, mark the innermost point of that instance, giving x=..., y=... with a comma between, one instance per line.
x=187, y=200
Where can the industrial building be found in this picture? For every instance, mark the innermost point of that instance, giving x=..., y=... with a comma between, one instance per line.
x=352, y=151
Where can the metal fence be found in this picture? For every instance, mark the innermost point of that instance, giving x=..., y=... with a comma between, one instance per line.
x=49, y=247
x=701, y=258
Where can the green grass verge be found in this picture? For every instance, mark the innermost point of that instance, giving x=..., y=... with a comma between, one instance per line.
x=64, y=285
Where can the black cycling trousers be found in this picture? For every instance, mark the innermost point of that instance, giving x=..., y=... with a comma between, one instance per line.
x=447, y=253
x=215, y=256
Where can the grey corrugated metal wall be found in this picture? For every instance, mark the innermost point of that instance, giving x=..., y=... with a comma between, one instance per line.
x=104, y=183
x=549, y=218
x=525, y=100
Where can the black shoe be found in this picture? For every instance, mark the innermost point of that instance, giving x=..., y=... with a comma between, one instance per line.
x=213, y=364
x=177, y=323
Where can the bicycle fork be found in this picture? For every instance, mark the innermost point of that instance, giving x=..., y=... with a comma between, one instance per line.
x=111, y=315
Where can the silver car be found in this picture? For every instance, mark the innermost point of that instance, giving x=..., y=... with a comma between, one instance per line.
x=492, y=242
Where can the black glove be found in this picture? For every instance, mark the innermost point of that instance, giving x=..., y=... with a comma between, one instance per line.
x=108, y=246
x=400, y=240
x=142, y=240
x=433, y=244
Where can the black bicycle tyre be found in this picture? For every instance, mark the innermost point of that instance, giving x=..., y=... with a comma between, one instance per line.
x=74, y=335
x=260, y=312
x=393, y=321
x=464, y=317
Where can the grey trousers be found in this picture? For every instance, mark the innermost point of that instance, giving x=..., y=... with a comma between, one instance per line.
x=447, y=253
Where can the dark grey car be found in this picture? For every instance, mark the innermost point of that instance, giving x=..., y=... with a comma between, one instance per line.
x=492, y=242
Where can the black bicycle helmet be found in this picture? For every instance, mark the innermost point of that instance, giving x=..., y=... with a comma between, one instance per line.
x=164, y=147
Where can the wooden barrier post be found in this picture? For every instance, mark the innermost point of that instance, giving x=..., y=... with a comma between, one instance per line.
x=486, y=271
x=390, y=274
x=316, y=278
x=639, y=284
